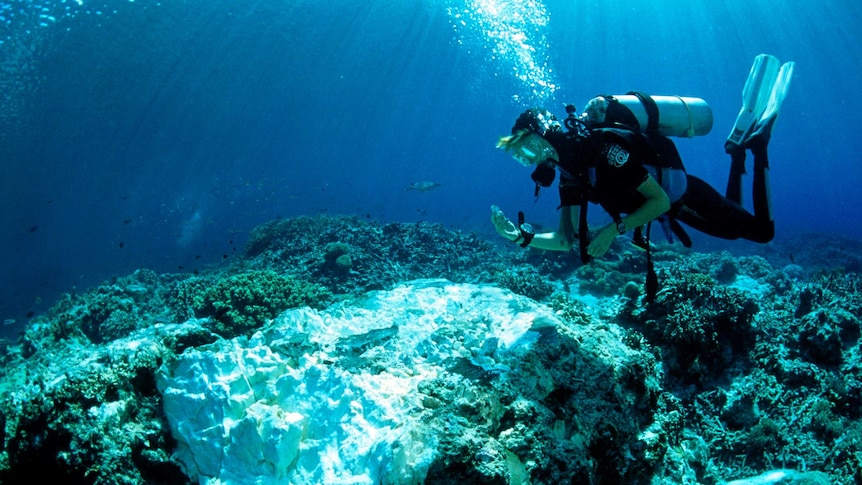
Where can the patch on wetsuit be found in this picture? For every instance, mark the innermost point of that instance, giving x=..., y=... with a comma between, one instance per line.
x=616, y=155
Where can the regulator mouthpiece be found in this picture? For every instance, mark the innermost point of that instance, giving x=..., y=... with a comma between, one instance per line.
x=572, y=121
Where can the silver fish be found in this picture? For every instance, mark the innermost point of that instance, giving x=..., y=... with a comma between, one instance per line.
x=423, y=186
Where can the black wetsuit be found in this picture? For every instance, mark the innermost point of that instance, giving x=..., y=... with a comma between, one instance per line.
x=607, y=169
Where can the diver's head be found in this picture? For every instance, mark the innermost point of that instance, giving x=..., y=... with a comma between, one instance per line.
x=537, y=120
x=530, y=141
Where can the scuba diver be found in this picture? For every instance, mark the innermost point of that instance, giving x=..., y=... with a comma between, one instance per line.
x=617, y=154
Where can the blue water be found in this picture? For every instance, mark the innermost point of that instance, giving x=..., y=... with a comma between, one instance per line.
x=146, y=134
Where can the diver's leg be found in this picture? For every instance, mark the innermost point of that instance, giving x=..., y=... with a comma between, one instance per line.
x=737, y=170
x=760, y=188
x=707, y=211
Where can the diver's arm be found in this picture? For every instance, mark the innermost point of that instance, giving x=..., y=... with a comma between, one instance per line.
x=656, y=204
x=563, y=239
x=559, y=240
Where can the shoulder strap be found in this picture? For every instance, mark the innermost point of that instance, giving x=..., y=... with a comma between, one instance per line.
x=617, y=114
x=651, y=109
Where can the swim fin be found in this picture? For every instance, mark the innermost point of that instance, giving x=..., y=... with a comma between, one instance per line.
x=776, y=97
x=764, y=91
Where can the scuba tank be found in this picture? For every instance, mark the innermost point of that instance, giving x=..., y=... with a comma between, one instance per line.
x=665, y=115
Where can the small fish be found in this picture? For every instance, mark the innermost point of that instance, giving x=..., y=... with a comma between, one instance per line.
x=423, y=186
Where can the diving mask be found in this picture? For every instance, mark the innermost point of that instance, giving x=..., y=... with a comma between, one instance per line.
x=533, y=150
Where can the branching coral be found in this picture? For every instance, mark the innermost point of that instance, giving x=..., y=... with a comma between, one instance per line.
x=241, y=303
x=701, y=327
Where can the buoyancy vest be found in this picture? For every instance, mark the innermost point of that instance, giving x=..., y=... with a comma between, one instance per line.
x=656, y=153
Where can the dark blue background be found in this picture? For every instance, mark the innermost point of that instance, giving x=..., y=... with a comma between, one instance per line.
x=138, y=134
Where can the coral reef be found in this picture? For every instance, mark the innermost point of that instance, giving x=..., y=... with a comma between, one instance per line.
x=524, y=280
x=519, y=367
x=703, y=328
x=110, y=311
x=790, y=394
x=75, y=412
x=79, y=403
x=349, y=255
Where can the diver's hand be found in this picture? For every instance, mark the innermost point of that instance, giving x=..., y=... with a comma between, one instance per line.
x=503, y=225
x=602, y=242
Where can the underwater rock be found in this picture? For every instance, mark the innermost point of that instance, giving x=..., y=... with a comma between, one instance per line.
x=431, y=380
x=794, y=272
